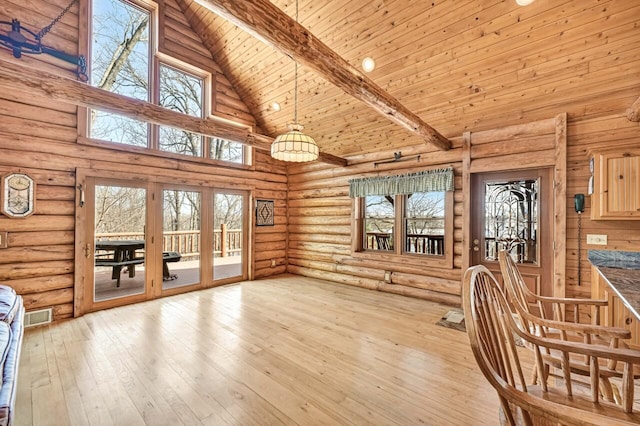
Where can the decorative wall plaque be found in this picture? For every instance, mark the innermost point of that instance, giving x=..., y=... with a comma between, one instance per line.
x=264, y=213
x=18, y=195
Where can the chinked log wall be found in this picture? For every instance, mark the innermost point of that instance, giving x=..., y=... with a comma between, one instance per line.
x=39, y=138
x=320, y=219
x=320, y=232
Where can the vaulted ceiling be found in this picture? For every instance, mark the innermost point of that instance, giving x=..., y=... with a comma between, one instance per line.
x=458, y=64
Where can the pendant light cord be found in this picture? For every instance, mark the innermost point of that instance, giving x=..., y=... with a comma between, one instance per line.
x=295, y=92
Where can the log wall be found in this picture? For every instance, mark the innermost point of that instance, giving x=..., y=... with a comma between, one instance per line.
x=320, y=209
x=320, y=230
x=40, y=138
x=580, y=61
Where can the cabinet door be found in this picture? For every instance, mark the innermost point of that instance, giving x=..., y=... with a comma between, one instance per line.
x=618, y=185
x=623, y=318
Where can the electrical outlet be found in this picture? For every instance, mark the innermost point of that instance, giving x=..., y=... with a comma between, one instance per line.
x=598, y=240
x=273, y=263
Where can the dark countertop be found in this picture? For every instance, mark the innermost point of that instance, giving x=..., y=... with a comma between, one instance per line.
x=621, y=269
x=626, y=284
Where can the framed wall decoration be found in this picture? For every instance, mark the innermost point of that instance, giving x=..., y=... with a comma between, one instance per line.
x=264, y=213
x=18, y=195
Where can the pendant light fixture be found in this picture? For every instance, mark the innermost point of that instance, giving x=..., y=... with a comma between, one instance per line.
x=295, y=146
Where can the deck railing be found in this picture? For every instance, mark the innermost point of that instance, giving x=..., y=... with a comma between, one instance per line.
x=226, y=242
x=416, y=243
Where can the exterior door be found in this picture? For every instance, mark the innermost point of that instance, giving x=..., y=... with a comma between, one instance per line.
x=117, y=245
x=229, y=236
x=513, y=211
x=181, y=238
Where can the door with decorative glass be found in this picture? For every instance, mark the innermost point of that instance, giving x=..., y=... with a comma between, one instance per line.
x=513, y=211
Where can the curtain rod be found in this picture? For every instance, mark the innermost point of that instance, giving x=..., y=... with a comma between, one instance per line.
x=397, y=157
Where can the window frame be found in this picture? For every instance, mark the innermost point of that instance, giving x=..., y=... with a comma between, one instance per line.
x=157, y=57
x=398, y=254
x=161, y=59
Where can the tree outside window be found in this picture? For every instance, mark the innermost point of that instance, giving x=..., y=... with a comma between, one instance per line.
x=425, y=223
x=420, y=216
x=379, y=222
x=226, y=150
x=120, y=63
x=182, y=92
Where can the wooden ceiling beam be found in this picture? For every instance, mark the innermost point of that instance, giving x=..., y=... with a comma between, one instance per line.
x=41, y=84
x=633, y=112
x=266, y=22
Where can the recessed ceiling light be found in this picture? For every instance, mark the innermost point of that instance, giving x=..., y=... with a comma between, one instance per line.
x=368, y=64
x=524, y=2
x=275, y=106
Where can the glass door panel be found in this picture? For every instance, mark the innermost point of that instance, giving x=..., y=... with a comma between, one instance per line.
x=119, y=241
x=511, y=221
x=228, y=235
x=181, y=231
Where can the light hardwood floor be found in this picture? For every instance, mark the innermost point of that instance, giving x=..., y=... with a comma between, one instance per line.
x=287, y=350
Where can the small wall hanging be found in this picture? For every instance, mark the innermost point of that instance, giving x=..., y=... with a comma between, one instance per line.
x=264, y=213
x=18, y=195
x=19, y=40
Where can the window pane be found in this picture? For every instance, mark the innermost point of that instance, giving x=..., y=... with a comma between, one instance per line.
x=179, y=141
x=424, y=218
x=120, y=217
x=116, y=128
x=511, y=220
x=120, y=60
x=379, y=220
x=222, y=149
x=227, y=235
x=180, y=92
x=180, y=238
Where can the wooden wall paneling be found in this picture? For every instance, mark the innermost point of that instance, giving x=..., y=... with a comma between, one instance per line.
x=43, y=85
x=320, y=228
x=39, y=138
x=633, y=113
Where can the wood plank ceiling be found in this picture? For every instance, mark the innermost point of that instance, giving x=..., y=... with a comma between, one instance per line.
x=457, y=64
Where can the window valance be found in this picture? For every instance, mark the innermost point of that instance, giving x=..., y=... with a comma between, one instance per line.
x=425, y=181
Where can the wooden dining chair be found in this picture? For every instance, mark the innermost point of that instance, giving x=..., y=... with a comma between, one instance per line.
x=491, y=328
x=538, y=323
x=540, y=305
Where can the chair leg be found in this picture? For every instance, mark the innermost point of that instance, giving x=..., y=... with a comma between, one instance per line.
x=534, y=375
x=606, y=390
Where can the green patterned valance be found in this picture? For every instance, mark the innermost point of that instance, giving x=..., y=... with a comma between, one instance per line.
x=426, y=181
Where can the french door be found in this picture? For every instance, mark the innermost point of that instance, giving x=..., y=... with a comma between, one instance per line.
x=139, y=239
x=117, y=246
x=230, y=239
x=514, y=211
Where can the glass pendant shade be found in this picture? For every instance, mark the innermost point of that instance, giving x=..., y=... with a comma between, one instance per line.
x=294, y=146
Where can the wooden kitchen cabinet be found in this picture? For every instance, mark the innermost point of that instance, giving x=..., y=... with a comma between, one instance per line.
x=616, y=184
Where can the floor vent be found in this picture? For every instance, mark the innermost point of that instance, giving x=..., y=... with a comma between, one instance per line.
x=42, y=316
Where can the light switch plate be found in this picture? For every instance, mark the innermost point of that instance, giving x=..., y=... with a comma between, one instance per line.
x=597, y=239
